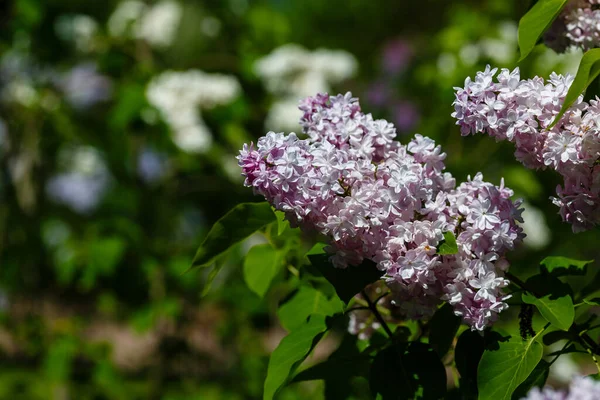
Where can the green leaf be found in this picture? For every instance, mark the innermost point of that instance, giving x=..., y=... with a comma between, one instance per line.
x=338, y=370
x=261, y=265
x=317, y=249
x=442, y=329
x=559, y=266
x=448, y=246
x=552, y=299
x=290, y=352
x=348, y=281
x=503, y=369
x=468, y=352
x=556, y=336
x=588, y=70
x=306, y=302
x=408, y=371
x=239, y=223
x=537, y=378
x=537, y=21
x=592, y=302
x=282, y=223
x=217, y=265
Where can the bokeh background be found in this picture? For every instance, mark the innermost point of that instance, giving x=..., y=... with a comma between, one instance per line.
x=119, y=126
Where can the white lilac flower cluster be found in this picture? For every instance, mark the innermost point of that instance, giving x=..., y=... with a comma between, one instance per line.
x=578, y=25
x=156, y=24
x=379, y=200
x=180, y=95
x=581, y=388
x=521, y=112
x=291, y=72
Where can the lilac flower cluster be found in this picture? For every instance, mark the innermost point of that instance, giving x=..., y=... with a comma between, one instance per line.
x=581, y=388
x=521, y=112
x=578, y=25
x=379, y=200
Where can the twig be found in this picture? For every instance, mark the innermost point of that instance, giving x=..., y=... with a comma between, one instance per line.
x=373, y=308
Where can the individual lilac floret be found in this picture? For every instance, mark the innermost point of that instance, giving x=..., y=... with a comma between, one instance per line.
x=581, y=388
x=378, y=200
x=521, y=111
x=578, y=25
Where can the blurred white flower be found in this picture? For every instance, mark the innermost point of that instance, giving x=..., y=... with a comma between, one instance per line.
x=158, y=26
x=446, y=64
x=179, y=96
x=79, y=29
x=84, y=181
x=535, y=227
x=83, y=86
x=292, y=72
x=155, y=24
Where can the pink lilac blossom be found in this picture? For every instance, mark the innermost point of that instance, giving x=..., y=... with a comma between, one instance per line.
x=581, y=388
x=377, y=199
x=521, y=111
x=578, y=25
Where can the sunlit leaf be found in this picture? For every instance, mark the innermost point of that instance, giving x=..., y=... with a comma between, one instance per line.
x=448, y=246
x=261, y=265
x=502, y=369
x=292, y=350
x=588, y=70
x=239, y=223
x=552, y=299
x=537, y=378
x=558, y=266
x=306, y=302
x=537, y=21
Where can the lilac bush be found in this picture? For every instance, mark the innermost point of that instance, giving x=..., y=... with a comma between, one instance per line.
x=578, y=25
x=521, y=111
x=581, y=388
x=376, y=199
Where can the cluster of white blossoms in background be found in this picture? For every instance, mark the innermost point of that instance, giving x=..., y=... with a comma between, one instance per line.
x=157, y=24
x=521, y=111
x=292, y=72
x=393, y=204
x=578, y=25
x=84, y=180
x=581, y=388
x=179, y=96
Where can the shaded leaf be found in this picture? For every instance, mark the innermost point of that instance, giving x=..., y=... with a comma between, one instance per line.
x=348, y=281
x=556, y=336
x=306, y=302
x=588, y=70
x=290, y=352
x=468, y=352
x=559, y=266
x=337, y=372
x=239, y=223
x=261, y=265
x=552, y=299
x=442, y=329
x=282, y=223
x=408, y=371
x=537, y=21
x=503, y=369
x=448, y=246
x=537, y=378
